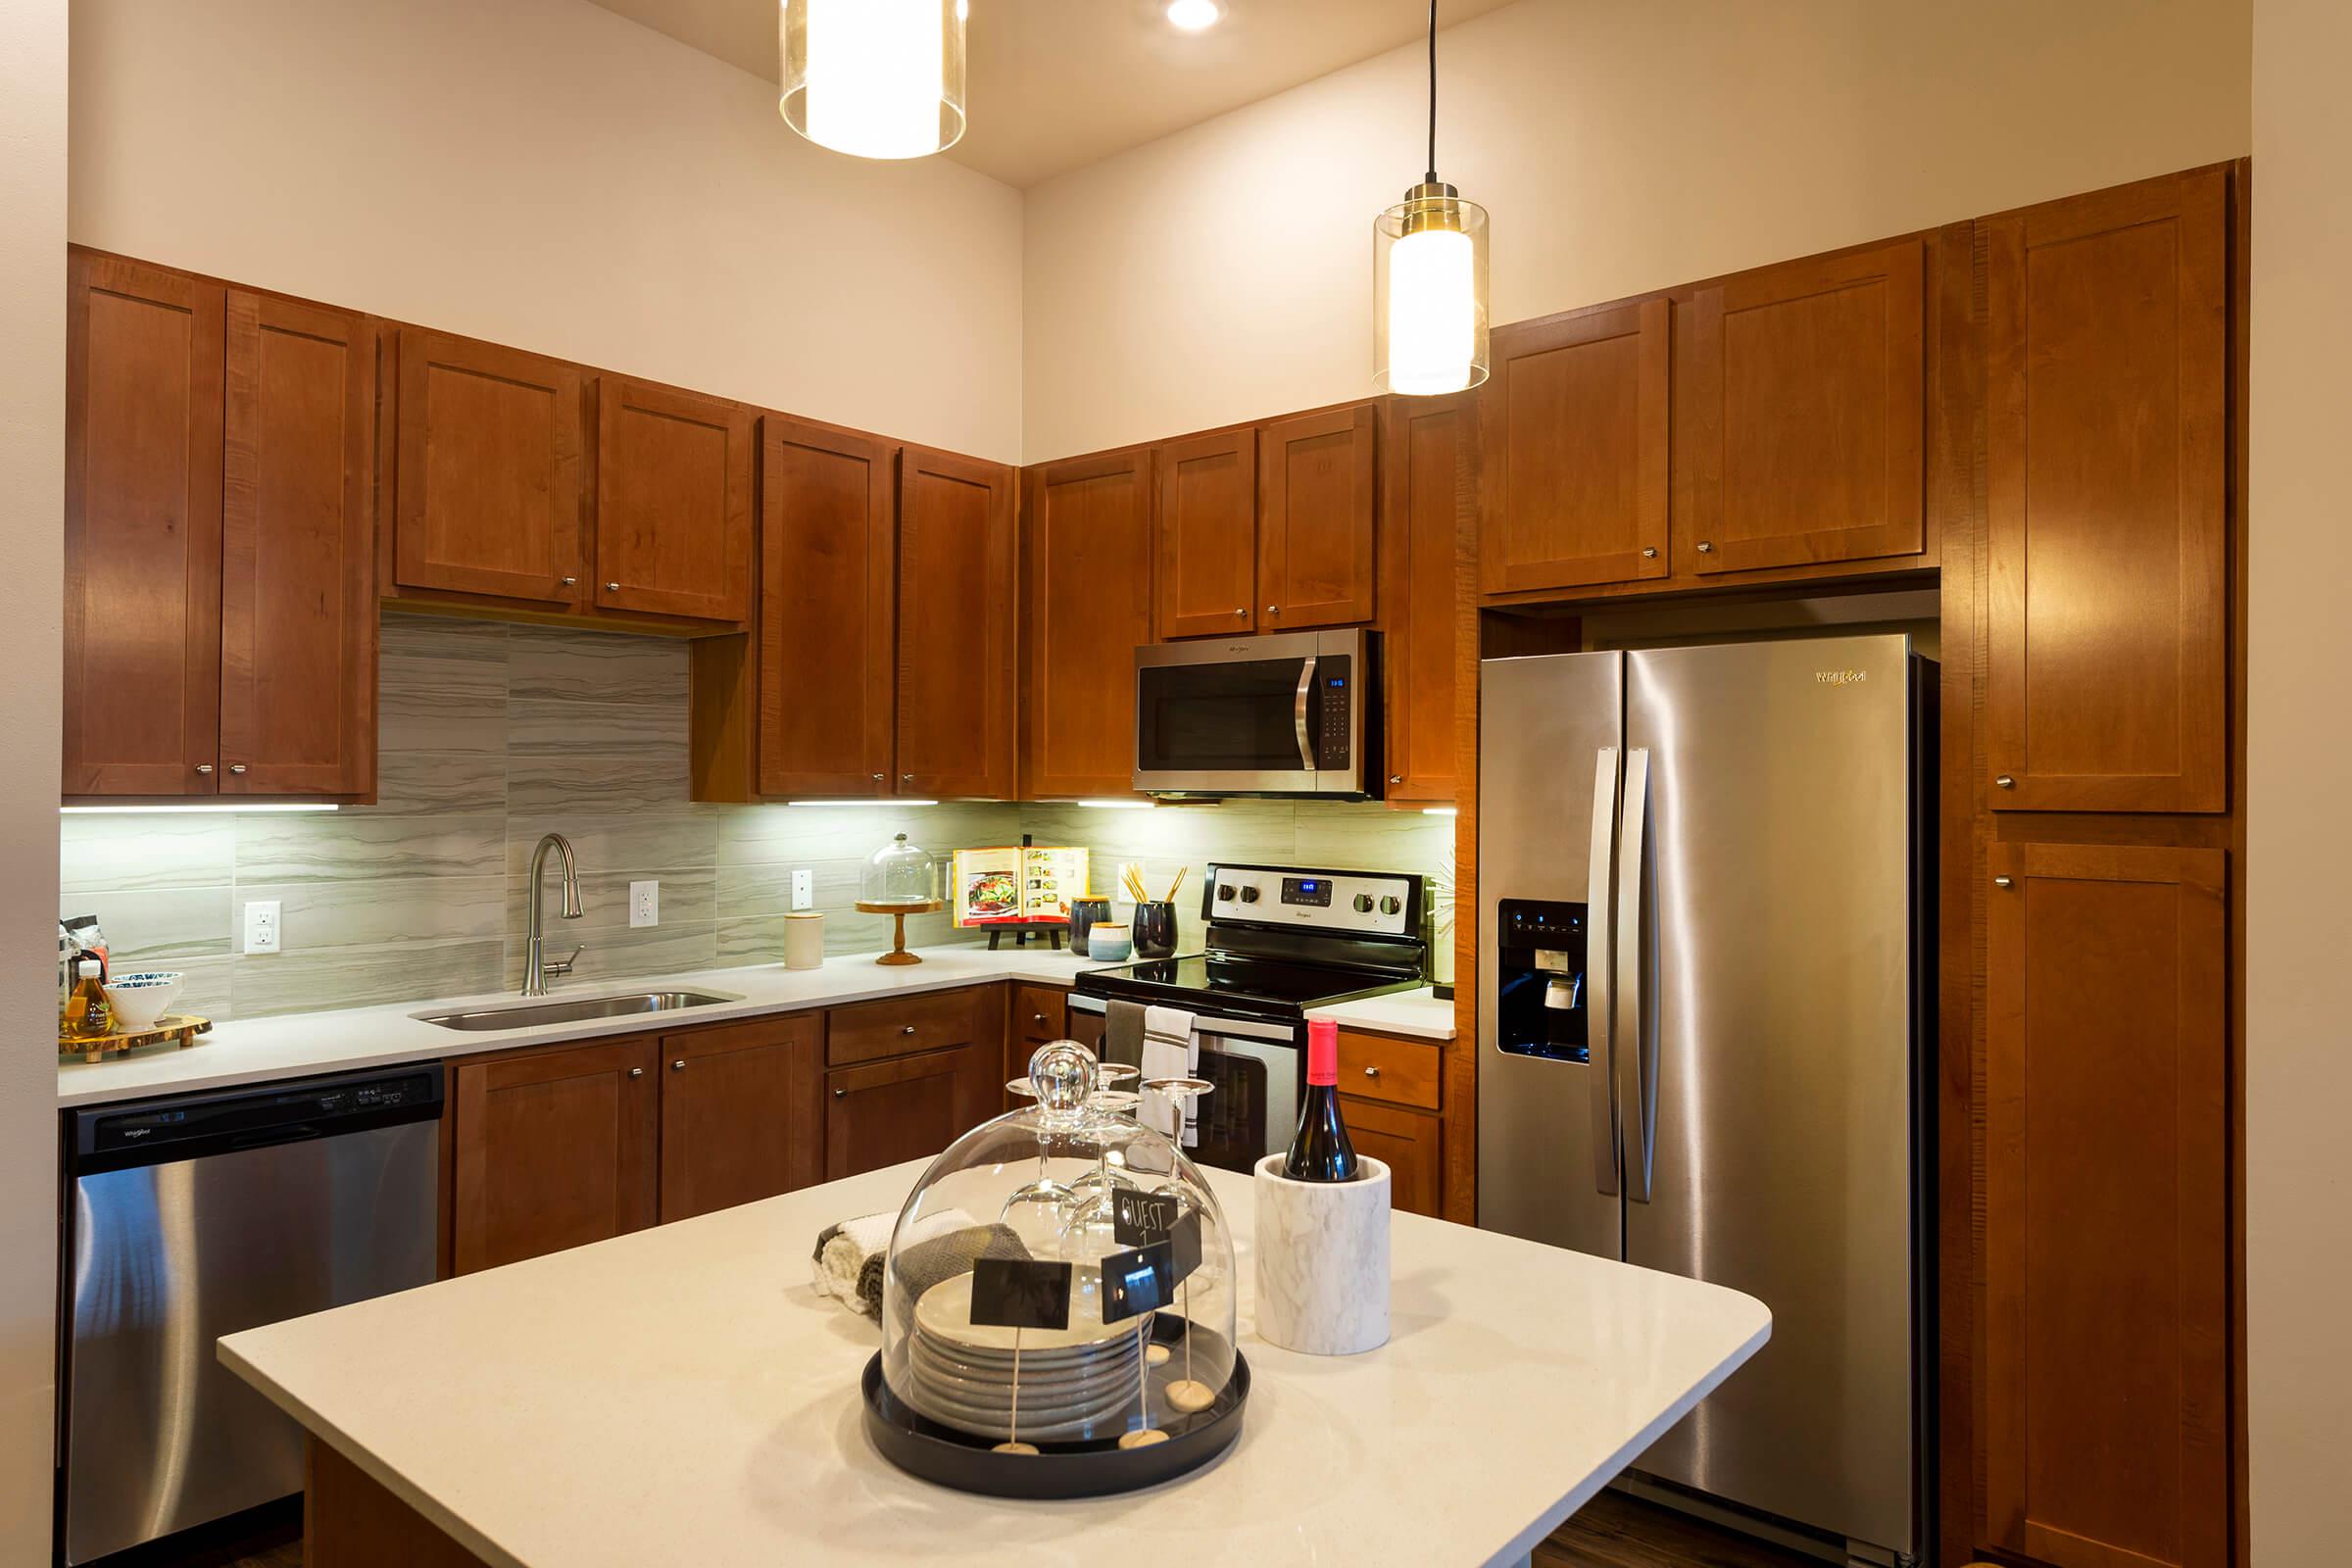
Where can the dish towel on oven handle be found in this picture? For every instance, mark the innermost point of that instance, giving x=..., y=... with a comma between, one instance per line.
x=1171, y=1050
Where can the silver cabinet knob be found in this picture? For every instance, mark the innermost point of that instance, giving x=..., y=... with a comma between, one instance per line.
x=204, y=767
x=1371, y=1073
x=1244, y=610
x=2006, y=782
x=1273, y=609
x=877, y=778
x=906, y=778
x=1396, y=778
x=612, y=587
x=841, y=1094
x=678, y=1065
x=909, y=1029
x=1650, y=552
x=636, y=1072
x=236, y=767
x=1705, y=548
x=1038, y=1018
x=572, y=582
x=2001, y=882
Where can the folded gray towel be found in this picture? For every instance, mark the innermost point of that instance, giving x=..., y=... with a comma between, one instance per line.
x=926, y=1264
x=1124, y=1032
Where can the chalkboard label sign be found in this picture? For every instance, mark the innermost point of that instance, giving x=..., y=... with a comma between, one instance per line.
x=1137, y=1219
x=1020, y=1292
x=1138, y=1282
x=1184, y=1242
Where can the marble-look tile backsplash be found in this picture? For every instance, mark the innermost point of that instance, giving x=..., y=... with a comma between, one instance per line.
x=492, y=735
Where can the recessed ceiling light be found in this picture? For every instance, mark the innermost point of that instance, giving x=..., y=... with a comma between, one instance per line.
x=1190, y=16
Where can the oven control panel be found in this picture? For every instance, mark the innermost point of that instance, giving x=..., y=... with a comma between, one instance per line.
x=1373, y=902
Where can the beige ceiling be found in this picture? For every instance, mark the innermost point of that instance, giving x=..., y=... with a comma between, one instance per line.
x=1059, y=83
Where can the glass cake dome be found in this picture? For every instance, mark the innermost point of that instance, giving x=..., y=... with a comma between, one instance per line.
x=1060, y=1287
x=900, y=873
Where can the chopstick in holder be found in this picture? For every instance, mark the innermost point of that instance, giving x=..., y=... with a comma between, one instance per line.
x=1173, y=886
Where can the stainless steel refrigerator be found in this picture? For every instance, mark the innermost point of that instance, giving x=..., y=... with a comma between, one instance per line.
x=1705, y=896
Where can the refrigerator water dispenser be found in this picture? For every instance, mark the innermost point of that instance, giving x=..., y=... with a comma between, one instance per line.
x=1539, y=980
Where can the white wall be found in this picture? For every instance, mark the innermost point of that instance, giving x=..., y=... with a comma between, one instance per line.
x=2299, y=734
x=32, y=437
x=547, y=174
x=1619, y=145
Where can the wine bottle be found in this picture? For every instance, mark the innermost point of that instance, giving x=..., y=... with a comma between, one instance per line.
x=1320, y=1151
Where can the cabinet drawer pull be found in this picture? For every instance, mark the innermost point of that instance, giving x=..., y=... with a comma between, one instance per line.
x=906, y=778
x=909, y=1029
x=572, y=582
x=236, y=767
x=1273, y=609
x=678, y=1065
x=636, y=1072
x=204, y=767
x=1371, y=1073
x=1650, y=552
x=1244, y=610
x=1705, y=548
x=2006, y=782
x=841, y=1094
x=877, y=778
x=2001, y=882
x=1396, y=778
x=1038, y=1018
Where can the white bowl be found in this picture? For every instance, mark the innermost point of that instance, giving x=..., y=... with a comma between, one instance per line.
x=139, y=998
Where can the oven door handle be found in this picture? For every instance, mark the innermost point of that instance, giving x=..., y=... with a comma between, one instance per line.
x=1207, y=1026
x=1300, y=710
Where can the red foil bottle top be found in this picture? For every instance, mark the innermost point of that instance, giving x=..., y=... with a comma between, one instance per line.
x=1322, y=1052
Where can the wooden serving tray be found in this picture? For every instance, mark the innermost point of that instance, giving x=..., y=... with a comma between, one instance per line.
x=183, y=1027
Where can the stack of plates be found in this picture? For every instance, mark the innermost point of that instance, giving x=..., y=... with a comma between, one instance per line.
x=1075, y=1381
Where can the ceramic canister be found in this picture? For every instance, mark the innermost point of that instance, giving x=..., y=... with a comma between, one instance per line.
x=805, y=939
x=1323, y=1259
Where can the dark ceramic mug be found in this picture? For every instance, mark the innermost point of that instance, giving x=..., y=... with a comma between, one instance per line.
x=1084, y=915
x=1154, y=929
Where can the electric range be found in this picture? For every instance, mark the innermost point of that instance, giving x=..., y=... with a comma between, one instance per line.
x=1280, y=940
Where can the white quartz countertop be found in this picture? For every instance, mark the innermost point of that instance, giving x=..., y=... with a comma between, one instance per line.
x=253, y=1050
x=1403, y=1013
x=682, y=1393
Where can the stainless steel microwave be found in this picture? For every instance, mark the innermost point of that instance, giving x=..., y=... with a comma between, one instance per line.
x=1290, y=713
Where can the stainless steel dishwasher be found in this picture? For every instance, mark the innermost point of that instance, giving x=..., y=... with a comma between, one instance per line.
x=199, y=1216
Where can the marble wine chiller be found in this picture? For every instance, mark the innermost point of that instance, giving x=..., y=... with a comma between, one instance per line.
x=1323, y=1260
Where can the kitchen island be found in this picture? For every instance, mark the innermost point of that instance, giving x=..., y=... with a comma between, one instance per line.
x=682, y=1395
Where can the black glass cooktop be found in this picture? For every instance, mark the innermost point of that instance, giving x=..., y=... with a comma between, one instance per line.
x=1261, y=986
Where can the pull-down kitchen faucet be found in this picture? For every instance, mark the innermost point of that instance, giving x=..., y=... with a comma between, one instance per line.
x=535, y=967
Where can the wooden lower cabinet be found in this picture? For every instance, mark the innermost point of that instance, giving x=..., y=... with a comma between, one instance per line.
x=1406, y=1142
x=907, y=1107
x=552, y=1149
x=741, y=1113
x=2106, y=1394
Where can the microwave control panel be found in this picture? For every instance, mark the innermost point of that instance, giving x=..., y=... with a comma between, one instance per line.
x=1333, y=680
x=1345, y=901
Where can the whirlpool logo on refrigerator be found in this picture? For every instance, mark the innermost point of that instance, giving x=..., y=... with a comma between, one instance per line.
x=1840, y=678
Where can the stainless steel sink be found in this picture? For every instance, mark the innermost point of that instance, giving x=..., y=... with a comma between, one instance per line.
x=572, y=1010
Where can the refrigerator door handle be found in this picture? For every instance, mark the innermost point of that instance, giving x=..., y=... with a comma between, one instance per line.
x=1600, y=980
x=1634, y=1064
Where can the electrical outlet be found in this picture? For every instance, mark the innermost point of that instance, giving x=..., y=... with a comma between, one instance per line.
x=645, y=904
x=261, y=925
x=803, y=888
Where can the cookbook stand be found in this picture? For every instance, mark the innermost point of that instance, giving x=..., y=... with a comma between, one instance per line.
x=898, y=952
x=1020, y=932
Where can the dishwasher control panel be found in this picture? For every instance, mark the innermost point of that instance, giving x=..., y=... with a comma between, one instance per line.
x=227, y=1121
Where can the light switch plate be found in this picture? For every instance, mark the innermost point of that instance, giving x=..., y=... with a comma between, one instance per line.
x=261, y=925
x=645, y=904
x=803, y=888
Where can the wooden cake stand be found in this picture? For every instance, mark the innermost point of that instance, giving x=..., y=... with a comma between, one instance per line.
x=183, y=1027
x=898, y=952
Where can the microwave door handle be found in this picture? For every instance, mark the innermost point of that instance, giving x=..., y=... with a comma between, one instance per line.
x=1599, y=972
x=1299, y=712
x=1636, y=1077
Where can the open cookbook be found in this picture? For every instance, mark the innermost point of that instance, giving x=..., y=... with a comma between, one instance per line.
x=1024, y=884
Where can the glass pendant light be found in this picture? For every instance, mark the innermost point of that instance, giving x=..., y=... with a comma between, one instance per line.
x=1429, y=279
x=876, y=79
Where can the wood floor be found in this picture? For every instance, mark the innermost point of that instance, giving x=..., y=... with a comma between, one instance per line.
x=1615, y=1531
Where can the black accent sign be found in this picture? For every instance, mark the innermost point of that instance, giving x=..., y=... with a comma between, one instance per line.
x=1138, y=1282
x=1138, y=1218
x=1185, y=1242
x=1020, y=1292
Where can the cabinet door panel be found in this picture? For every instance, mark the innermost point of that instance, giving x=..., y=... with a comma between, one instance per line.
x=827, y=572
x=1404, y=1141
x=2106, y=1229
x=1575, y=428
x=298, y=611
x=673, y=502
x=1315, y=498
x=2106, y=518
x=142, y=529
x=1431, y=491
x=489, y=494
x=741, y=1113
x=1208, y=530
x=908, y=1107
x=555, y=1149
x=1087, y=570
x=955, y=626
x=1808, y=391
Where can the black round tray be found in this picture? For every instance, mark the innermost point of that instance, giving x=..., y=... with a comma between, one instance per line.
x=921, y=1446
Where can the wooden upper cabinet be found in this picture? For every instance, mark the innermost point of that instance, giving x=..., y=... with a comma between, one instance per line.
x=957, y=617
x=1086, y=546
x=142, y=529
x=298, y=613
x=2106, y=446
x=1315, y=501
x=550, y=1150
x=488, y=493
x=2107, y=1256
x=741, y=1119
x=1574, y=421
x=1426, y=524
x=828, y=569
x=1208, y=529
x=1807, y=419
x=673, y=502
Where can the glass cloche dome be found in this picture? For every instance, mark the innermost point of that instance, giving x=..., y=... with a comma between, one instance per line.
x=900, y=873
x=1058, y=1306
